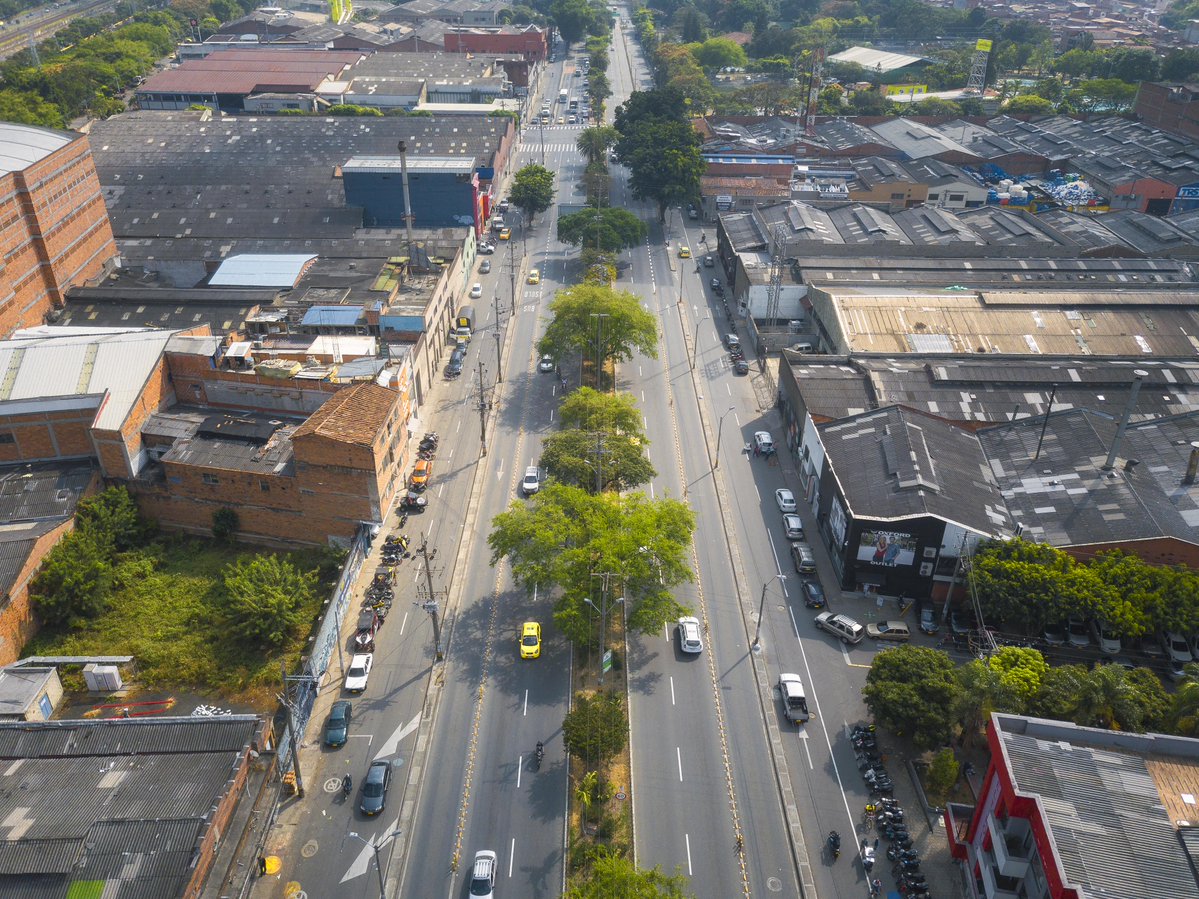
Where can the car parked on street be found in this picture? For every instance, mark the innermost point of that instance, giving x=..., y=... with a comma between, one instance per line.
x=374, y=788
x=813, y=595
x=1076, y=632
x=785, y=499
x=546, y=363
x=690, y=639
x=337, y=725
x=793, y=527
x=741, y=367
x=476, y=291
x=359, y=672
x=928, y=619
x=764, y=442
x=485, y=267
x=888, y=630
x=840, y=626
x=1176, y=647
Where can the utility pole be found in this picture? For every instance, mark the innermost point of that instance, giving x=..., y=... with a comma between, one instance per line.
x=499, y=368
x=719, y=428
x=484, y=405
x=599, y=354
x=762, y=608
x=291, y=726
x=603, y=610
x=512, y=275
x=429, y=596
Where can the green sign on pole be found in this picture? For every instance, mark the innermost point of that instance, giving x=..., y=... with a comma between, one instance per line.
x=607, y=665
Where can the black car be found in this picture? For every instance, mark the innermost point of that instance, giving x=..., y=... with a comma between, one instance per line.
x=741, y=367
x=716, y=285
x=374, y=788
x=708, y=263
x=928, y=620
x=813, y=595
x=337, y=728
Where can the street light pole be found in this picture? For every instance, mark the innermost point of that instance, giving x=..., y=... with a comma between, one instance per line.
x=603, y=610
x=719, y=428
x=375, y=849
x=762, y=607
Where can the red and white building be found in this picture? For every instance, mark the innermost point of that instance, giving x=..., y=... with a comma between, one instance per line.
x=1074, y=812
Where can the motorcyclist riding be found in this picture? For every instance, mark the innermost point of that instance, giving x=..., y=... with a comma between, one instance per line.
x=540, y=752
x=347, y=785
x=834, y=843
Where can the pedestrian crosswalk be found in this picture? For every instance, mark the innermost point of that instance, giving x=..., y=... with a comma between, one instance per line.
x=534, y=146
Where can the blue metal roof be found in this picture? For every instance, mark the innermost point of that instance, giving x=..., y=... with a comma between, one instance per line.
x=336, y=316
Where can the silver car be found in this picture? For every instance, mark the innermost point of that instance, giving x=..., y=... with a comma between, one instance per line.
x=690, y=639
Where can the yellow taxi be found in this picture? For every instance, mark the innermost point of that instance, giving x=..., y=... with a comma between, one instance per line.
x=530, y=640
x=505, y=233
x=684, y=252
x=534, y=276
x=420, y=474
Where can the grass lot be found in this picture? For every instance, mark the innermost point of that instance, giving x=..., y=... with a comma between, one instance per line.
x=166, y=613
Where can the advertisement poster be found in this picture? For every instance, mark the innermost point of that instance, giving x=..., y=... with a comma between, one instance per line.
x=887, y=548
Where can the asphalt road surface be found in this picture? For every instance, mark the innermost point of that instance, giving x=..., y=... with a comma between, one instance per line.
x=726, y=792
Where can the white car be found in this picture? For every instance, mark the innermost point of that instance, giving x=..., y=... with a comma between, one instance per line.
x=793, y=526
x=764, y=442
x=785, y=499
x=546, y=363
x=482, y=876
x=485, y=267
x=690, y=639
x=476, y=291
x=532, y=481
x=359, y=672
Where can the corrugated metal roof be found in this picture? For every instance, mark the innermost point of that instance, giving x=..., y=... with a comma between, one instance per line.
x=121, y=737
x=57, y=362
x=876, y=60
x=332, y=316
x=1111, y=833
x=265, y=270
x=23, y=145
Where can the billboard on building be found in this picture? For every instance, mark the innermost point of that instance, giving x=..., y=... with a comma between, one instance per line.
x=887, y=548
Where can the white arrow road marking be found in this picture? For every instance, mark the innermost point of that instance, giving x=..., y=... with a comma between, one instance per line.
x=392, y=743
x=360, y=865
x=803, y=735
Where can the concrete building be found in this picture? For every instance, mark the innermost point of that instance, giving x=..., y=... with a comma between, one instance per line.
x=29, y=693
x=55, y=232
x=527, y=42
x=151, y=802
x=1068, y=811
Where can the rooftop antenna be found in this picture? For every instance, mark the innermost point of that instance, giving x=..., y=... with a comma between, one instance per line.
x=403, y=148
x=1139, y=375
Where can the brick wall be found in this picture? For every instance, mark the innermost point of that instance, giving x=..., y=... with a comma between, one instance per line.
x=42, y=436
x=18, y=622
x=196, y=381
x=54, y=233
x=1171, y=107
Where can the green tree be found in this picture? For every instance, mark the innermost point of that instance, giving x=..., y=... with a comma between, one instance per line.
x=691, y=24
x=626, y=327
x=612, y=461
x=941, y=776
x=1181, y=64
x=912, y=691
x=574, y=18
x=718, y=53
x=1020, y=671
x=934, y=106
x=225, y=524
x=596, y=728
x=1183, y=714
x=595, y=142
x=28, y=108
x=1061, y=692
x=664, y=161
x=599, y=89
x=264, y=598
x=75, y=581
x=532, y=190
x=611, y=229
x=870, y=103
x=564, y=536
x=1133, y=64
x=350, y=109
x=112, y=519
x=611, y=874
x=590, y=410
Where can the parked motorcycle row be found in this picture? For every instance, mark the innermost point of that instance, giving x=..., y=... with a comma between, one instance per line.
x=887, y=816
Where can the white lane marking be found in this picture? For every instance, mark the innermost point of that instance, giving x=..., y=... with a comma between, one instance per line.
x=728, y=387
x=525, y=711
x=644, y=420
x=651, y=491
x=520, y=767
x=679, y=753
x=759, y=492
x=392, y=743
x=439, y=490
x=512, y=857
x=827, y=742
x=778, y=568
x=459, y=427
x=687, y=838
x=845, y=654
x=794, y=626
x=551, y=415
x=403, y=623
x=672, y=702
x=737, y=419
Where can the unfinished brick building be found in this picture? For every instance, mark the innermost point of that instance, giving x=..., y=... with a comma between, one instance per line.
x=54, y=229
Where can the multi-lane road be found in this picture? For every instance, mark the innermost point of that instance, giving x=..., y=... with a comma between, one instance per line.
x=724, y=790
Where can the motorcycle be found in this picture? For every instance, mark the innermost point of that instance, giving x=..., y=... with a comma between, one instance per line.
x=867, y=857
x=347, y=786
x=539, y=752
x=834, y=844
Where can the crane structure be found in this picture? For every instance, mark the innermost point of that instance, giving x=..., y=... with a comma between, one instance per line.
x=978, y=67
